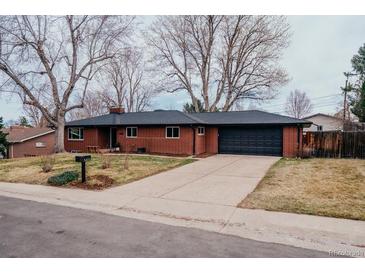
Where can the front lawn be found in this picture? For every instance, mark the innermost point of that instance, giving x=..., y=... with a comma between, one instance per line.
x=29, y=170
x=326, y=187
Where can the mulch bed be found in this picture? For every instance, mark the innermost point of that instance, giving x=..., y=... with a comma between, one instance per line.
x=103, y=183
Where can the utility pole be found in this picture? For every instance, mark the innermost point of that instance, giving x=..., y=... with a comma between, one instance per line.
x=345, y=90
x=345, y=100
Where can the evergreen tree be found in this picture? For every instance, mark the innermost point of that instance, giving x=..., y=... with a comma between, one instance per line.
x=189, y=108
x=3, y=142
x=23, y=121
x=358, y=103
x=358, y=100
x=358, y=62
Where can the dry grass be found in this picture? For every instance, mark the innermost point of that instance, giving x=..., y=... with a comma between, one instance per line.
x=326, y=187
x=29, y=170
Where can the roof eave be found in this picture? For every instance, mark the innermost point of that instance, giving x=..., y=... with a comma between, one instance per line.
x=137, y=124
x=260, y=124
x=30, y=138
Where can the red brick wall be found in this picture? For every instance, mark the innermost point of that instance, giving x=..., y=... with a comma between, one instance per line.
x=211, y=140
x=290, y=142
x=90, y=139
x=199, y=143
x=154, y=140
x=28, y=148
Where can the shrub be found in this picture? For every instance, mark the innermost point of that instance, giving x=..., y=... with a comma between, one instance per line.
x=47, y=163
x=63, y=178
x=105, y=162
x=126, y=162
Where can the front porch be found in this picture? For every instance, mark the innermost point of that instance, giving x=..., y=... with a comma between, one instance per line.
x=92, y=140
x=107, y=141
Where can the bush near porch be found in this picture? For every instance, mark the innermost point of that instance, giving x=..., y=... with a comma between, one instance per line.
x=325, y=187
x=29, y=170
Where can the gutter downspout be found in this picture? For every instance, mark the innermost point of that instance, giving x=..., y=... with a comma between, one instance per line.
x=193, y=139
x=299, y=144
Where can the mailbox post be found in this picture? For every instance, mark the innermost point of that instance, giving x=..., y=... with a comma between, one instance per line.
x=82, y=159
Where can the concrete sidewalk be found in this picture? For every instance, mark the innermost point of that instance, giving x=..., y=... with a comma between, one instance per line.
x=346, y=237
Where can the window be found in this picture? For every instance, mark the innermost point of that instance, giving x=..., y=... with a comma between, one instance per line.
x=320, y=128
x=40, y=144
x=76, y=133
x=172, y=132
x=201, y=130
x=131, y=132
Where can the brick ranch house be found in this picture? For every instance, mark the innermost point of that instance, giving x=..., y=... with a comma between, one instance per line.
x=173, y=132
x=26, y=142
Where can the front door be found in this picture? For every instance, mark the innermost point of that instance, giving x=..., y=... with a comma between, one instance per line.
x=113, y=137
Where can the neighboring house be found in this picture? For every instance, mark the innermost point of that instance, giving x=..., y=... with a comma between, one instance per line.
x=177, y=133
x=324, y=122
x=25, y=142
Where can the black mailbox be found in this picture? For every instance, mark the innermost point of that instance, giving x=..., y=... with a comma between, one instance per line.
x=82, y=159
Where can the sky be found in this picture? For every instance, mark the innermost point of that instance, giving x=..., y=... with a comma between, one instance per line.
x=320, y=51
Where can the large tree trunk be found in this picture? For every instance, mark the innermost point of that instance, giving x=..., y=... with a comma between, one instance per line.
x=60, y=134
x=194, y=102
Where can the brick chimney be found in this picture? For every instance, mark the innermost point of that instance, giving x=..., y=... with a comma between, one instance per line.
x=116, y=110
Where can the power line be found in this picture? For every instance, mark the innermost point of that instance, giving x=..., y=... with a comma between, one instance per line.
x=325, y=104
x=313, y=98
x=315, y=106
x=322, y=105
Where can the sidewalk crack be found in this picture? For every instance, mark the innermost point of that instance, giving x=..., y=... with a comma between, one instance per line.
x=228, y=220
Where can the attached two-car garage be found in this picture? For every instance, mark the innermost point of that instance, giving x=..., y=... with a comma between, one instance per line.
x=252, y=140
x=253, y=132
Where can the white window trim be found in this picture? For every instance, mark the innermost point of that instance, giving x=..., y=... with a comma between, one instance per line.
x=68, y=134
x=40, y=145
x=201, y=134
x=172, y=137
x=131, y=137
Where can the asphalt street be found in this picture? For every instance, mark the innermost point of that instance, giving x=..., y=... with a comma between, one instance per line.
x=32, y=229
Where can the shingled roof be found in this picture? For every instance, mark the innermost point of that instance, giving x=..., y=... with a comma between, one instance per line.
x=247, y=117
x=175, y=117
x=159, y=117
x=18, y=134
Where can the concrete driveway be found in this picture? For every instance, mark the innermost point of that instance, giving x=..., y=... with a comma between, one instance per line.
x=218, y=180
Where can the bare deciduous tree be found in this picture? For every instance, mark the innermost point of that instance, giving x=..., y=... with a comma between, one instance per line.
x=124, y=81
x=221, y=60
x=56, y=57
x=93, y=106
x=35, y=116
x=298, y=104
x=33, y=113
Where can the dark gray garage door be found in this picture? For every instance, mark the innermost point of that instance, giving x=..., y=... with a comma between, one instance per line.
x=251, y=140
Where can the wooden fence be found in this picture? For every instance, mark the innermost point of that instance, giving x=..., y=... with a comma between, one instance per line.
x=336, y=144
